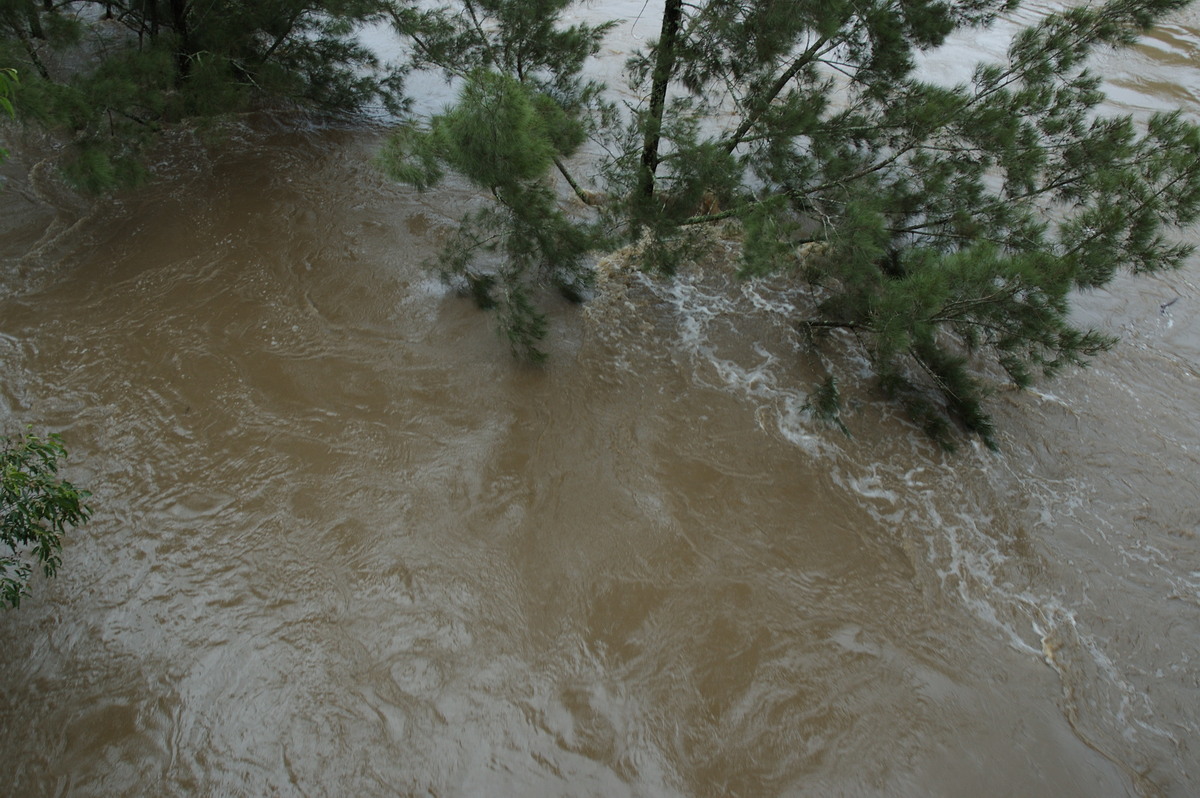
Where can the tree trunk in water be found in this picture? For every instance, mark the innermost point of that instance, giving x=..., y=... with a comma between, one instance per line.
x=183, y=47
x=664, y=67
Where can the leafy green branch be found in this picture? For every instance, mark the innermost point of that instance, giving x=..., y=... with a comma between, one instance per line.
x=36, y=508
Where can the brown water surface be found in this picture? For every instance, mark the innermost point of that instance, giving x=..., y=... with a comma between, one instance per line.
x=344, y=546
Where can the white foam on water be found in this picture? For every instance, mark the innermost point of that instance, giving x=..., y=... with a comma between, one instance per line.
x=957, y=513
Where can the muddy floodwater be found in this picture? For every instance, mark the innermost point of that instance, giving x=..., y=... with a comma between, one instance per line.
x=344, y=546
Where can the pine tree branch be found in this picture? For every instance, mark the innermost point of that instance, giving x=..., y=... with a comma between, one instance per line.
x=281, y=38
x=827, y=324
x=763, y=102
x=951, y=308
x=990, y=327
x=921, y=229
x=422, y=45
x=30, y=50
x=484, y=40
x=580, y=192
x=1195, y=167
x=1016, y=71
x=710, y=217
x=929, y=372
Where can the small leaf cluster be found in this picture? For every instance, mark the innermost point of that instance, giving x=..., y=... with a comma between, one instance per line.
x=36, y=508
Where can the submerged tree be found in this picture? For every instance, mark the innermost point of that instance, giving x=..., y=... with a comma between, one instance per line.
x=108, y=76
x=522, y=108
x=946, y=224
x=951, y=220
x=36, y=507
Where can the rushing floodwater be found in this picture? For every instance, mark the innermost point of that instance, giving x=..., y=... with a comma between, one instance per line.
x=344, y=546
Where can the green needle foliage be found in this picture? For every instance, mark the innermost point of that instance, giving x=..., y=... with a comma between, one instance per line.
x=8, y=81
x=521, y=109
x=954, y=222
x=948, y=225
x=108, y=76
x=36, y=507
